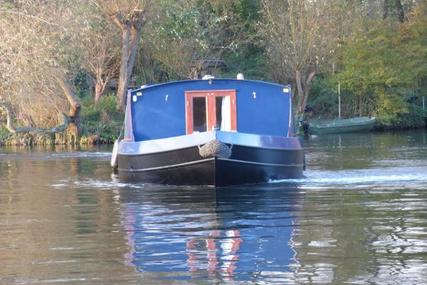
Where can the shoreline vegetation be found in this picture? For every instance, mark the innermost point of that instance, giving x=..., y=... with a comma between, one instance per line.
x=65, y=67
x=100, y=124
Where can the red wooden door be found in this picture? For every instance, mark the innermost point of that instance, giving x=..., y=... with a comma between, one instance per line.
x=203, y=109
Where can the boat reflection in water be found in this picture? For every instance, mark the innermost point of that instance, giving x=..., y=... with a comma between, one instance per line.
x=242, y=234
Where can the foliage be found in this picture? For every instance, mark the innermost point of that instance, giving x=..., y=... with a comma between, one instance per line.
x=249, y=55
x=301, y=38
x=324, y=99
x=102, y=119
x=415, y=118
x=101, y=60
x=202, y=34
x=34, y=36
x=384, y=66
x=4, y=134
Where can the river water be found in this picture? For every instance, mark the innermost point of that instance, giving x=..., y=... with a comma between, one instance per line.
x=359, y=217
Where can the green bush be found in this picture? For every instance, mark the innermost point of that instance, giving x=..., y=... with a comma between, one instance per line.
x=103, y=119
x=323, y=99
x=414, y=118
x=4, y=133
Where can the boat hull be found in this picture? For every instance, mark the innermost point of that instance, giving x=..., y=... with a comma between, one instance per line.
x=185, y=166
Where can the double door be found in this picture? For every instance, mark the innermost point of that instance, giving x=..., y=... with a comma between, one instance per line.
x=209, y=110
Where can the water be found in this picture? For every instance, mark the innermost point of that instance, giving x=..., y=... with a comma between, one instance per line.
x=359, y=217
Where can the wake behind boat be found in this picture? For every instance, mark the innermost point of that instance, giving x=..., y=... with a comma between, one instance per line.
x=209, y=132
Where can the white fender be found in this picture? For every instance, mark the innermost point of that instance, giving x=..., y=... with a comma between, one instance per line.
x=114, y=154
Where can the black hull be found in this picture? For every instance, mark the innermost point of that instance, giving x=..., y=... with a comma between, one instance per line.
x=247, y=165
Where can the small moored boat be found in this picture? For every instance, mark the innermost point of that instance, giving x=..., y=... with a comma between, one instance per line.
x=209, y=132
x=357, y=124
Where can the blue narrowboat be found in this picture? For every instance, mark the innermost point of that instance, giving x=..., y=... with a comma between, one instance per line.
x=210, y=131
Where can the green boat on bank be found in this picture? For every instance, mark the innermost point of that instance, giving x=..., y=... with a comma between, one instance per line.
x=337, y=126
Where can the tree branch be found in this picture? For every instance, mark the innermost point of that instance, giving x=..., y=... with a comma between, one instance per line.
x=69, y=94
x=310, y=77
x=4, y=106
x=298, y=82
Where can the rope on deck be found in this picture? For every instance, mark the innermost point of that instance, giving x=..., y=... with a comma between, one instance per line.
x=215, y=148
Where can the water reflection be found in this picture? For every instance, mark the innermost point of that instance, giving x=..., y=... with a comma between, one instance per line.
x=233, y=233
x=358, y=217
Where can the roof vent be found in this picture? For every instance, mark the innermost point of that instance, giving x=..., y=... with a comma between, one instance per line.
x=240, y=76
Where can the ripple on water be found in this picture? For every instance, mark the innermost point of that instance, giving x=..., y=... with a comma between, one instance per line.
x=80, y=154
x=361, y=178
x=96, y=184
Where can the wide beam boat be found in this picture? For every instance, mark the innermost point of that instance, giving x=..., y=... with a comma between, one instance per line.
x=209, y=132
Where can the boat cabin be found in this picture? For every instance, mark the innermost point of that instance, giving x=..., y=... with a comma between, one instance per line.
x=230, y=105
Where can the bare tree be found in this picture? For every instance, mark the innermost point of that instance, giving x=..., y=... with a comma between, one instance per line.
x=301, y=37
x=34, y=86
x=98, y=50
x=129, y=16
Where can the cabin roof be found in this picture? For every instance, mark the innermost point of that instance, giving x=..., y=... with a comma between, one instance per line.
x=158, y=85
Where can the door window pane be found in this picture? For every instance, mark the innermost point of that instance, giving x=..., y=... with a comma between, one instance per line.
x=218, y=111
x=225, y=114
x=199, y=114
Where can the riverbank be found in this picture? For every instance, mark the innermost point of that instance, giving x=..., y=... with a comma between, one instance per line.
x=102, y=124
x=99, y=124
x=98, y=133
x=93, y=133
x=29, y=139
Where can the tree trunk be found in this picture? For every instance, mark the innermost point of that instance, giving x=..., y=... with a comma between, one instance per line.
x=135, y=37
x=98, y=92
x=73, y=129
x=303, y=90
x=100, y=86
x=131, y=33
x=129, y=17
x=123, y=76
x=300, y=95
